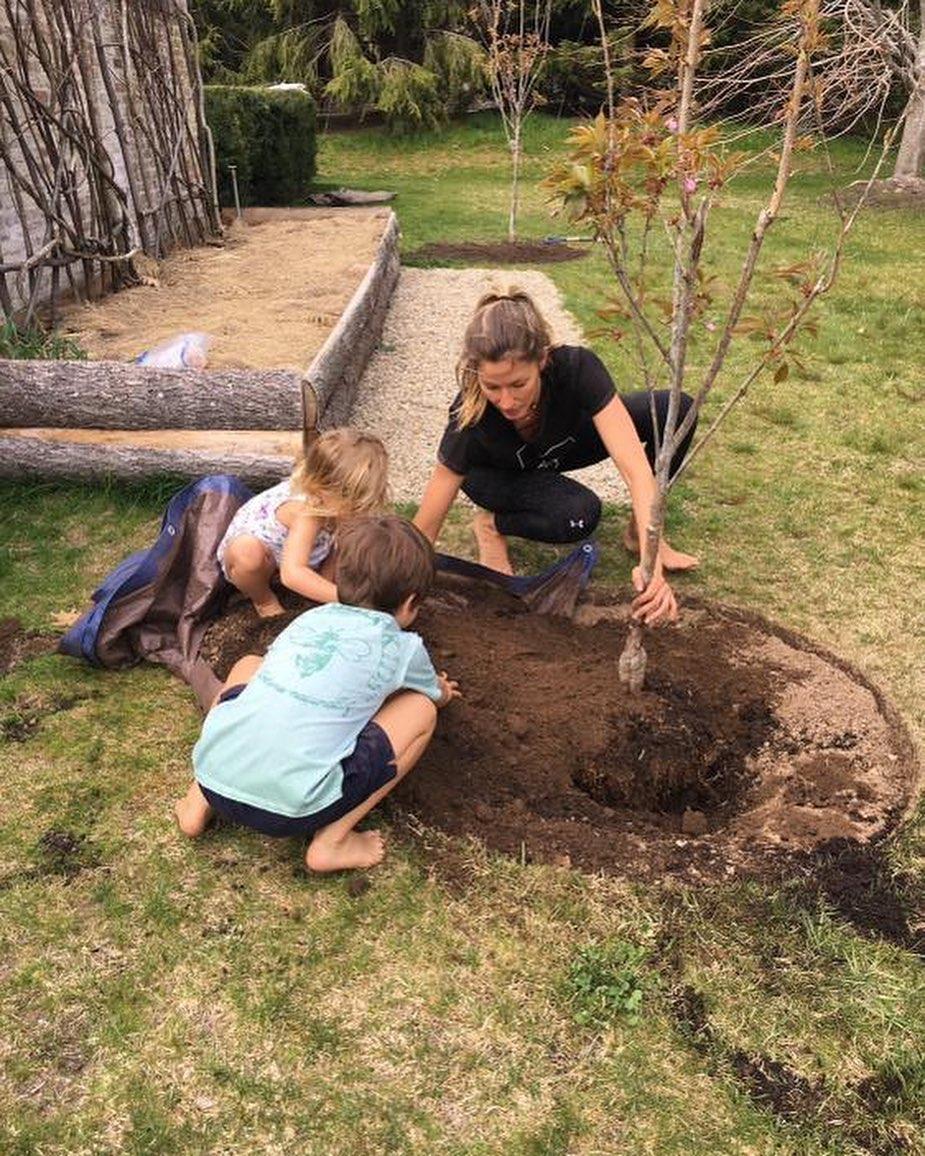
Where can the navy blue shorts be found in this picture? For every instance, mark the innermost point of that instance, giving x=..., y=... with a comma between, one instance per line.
x=370, y=767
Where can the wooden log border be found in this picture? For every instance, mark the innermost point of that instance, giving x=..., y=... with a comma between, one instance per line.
x=335, y=373
x=87, y=461
x=115, y=395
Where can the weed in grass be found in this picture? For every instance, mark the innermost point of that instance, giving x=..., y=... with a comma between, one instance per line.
x=606, y=981
x=36, y=344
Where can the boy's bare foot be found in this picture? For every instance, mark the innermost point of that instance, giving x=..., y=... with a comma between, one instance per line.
x=672, y=559
x=193, y=812
x=356, y=849
x=492, y=545
x=269, y=608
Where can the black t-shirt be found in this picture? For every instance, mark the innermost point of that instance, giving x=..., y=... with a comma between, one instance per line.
x=574, y=386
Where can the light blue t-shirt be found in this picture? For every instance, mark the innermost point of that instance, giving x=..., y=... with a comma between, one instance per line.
x=280, y=743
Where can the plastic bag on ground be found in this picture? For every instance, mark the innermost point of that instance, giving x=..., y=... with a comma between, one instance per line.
x=185, y=351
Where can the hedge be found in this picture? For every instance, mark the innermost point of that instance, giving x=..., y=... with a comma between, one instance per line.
x=269, y=135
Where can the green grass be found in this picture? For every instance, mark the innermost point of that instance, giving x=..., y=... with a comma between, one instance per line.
x=161, y=997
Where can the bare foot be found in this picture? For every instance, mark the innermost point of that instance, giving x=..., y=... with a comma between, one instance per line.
x=677, y=560
x=193, y=812
x=269, y=608
x=357, y=849
x=672, y=559
x=492, y=545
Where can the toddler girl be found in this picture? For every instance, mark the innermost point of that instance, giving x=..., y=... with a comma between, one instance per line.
x=290, y=527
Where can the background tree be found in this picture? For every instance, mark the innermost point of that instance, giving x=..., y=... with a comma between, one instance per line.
x=651, y=171
x=870, y=62
x=409, y=60
x=516, y=38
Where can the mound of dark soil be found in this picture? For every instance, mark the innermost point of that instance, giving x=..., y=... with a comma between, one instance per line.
x=498, y=253
x=748, y=746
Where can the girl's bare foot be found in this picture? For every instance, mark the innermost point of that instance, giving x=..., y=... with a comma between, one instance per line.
x=269, y=608
x=356, y=849
x=492, y=545
x=671, y=559
x=193, y=812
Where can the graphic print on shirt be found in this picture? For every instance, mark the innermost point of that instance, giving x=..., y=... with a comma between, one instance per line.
x=322, y=647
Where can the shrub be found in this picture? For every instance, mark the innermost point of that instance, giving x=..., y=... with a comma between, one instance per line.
x=270, y=136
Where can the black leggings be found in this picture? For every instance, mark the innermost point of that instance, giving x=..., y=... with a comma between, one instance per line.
x=546, y=507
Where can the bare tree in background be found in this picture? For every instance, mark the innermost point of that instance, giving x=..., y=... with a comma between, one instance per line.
x=867, y=51
x=516, y=37
x=646, y=175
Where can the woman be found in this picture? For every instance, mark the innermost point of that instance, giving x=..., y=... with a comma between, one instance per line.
x=526, y=411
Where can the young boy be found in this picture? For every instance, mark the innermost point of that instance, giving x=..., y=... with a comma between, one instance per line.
x=308, y=740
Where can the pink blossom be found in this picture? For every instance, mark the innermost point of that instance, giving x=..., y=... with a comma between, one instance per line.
x=672, y=124
x=689, y=185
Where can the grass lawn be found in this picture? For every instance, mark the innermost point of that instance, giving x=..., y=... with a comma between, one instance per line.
x=163, y=997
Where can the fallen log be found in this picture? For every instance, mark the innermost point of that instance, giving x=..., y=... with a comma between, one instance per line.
x=115, y=395
x=35, y=456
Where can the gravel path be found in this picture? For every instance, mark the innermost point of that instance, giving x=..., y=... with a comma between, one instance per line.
x=409, y=383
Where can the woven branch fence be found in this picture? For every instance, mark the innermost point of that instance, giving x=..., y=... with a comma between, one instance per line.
x=104, y=149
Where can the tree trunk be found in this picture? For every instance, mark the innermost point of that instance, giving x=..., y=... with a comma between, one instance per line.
x=910, y=160
x=515, y=184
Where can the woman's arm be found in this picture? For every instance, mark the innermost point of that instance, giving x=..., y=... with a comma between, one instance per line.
x=655, y=602
x=294, y=570
x=438, y=497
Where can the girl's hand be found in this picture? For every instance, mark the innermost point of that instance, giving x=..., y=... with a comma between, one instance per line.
x=656, y=602
x=449, y=689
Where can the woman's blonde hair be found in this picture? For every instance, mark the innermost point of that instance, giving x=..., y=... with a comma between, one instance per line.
x=504, y=325
x=342, y=472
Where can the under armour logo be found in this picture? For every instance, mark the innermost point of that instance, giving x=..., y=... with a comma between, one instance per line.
x=576, y=523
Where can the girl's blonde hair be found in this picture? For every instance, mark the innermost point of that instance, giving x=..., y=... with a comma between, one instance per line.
x=504, y=325
x=342, y=472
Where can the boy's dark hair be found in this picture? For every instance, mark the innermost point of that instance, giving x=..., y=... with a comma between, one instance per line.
x=380, y=561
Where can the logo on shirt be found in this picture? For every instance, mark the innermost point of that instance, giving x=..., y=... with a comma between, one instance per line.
x=546, y=461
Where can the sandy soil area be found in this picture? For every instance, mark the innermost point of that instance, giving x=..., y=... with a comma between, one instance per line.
x=268, y=296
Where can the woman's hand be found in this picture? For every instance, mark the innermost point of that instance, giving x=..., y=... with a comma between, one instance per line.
x=655, y=603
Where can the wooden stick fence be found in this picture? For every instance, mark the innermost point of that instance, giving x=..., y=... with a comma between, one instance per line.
x=104, y=149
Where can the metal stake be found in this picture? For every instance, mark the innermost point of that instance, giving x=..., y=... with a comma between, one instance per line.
x=234, y=183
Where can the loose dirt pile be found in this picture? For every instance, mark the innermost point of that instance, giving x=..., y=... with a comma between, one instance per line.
x=268, y=296
x=749, y=746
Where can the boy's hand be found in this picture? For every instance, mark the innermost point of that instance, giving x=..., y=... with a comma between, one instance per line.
x=449, y=689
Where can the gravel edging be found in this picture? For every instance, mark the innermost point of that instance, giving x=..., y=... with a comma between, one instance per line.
x=409, y=383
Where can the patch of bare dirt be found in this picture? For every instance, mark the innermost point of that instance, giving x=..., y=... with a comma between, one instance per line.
x=17, y=644
x=499, y=253
x=892, y=193
x=749, y=749
x=268, y=296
